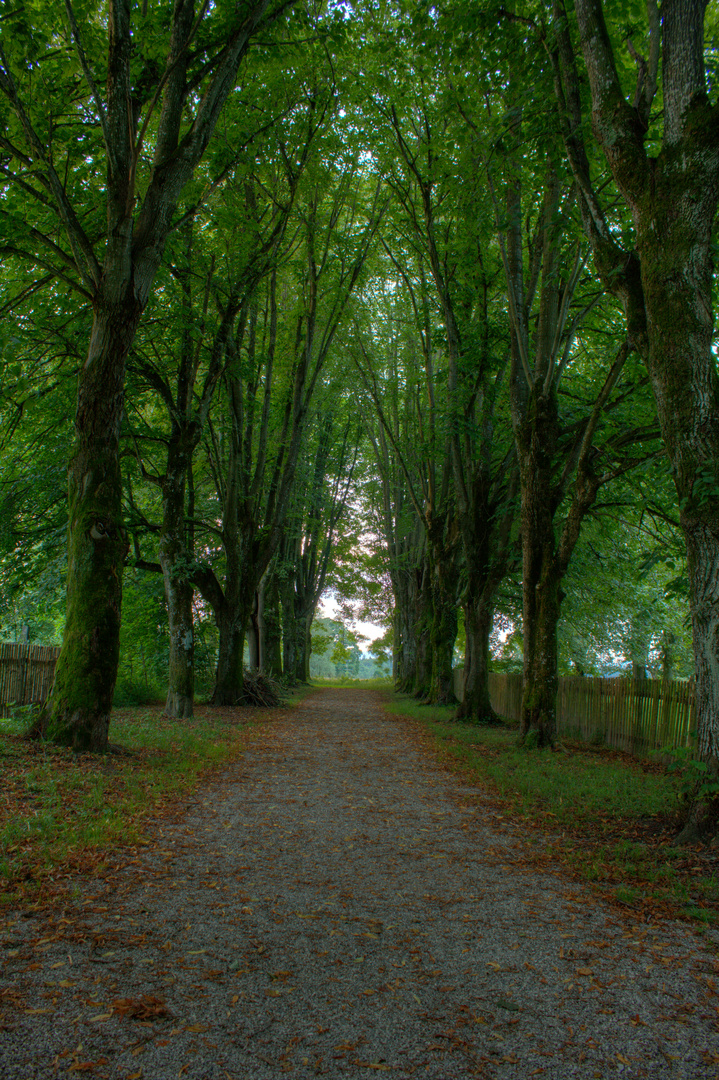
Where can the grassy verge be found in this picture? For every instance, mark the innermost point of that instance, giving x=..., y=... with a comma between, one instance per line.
x=609, y=819
x=61, y=812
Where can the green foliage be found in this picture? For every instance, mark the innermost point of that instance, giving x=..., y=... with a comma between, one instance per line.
x=695, y=780
x=336, y=654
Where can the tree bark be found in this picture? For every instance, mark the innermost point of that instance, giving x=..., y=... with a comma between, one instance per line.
x=419, y=674
x=253, y=635
x=78, y=712
x=536, y=435
x=673, y=201
x=475, y=705
x=271, y=628
x=179, y=591
x=443, y=633
x=229, y=677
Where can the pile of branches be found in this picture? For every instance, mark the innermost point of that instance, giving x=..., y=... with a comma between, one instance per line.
x=260, y=689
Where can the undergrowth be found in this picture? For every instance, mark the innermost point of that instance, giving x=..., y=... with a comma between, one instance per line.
x=608, y=818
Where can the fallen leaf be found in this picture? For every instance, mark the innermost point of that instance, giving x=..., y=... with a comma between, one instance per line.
x=146, y=1007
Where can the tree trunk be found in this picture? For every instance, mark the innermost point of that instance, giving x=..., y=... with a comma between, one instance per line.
x=444, y=627
x=296, y=653
x=78, y=711
x=181, y=675
x=677, y=278
x=253, y=635
x=271, y=628
x=673, y=200
x=667, y=655
x=541, y=593
x=404, y=646
x=305, y=649
x=179, y=591
x=419, y=682
x=541, y=608
x=475, y=705
x=229, y=677
x=443, y=637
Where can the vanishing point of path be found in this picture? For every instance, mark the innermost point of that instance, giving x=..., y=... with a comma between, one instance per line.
x=337, y=905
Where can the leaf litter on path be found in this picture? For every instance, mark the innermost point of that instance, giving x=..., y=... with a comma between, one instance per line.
x=297, y=922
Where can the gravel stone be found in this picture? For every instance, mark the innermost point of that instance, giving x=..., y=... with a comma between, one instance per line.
x=337, y=905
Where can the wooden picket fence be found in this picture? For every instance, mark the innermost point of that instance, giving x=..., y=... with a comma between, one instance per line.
x=635, y=715
x=26, y=674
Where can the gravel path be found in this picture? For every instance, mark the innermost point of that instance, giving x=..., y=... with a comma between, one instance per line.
x=337, y=905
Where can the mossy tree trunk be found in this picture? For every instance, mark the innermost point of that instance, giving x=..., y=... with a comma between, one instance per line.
x=419, y=675
x=409, y=576
x=443, y=636
x=673, y=200
x=119, y=286
x=78, y=712
x=475, y=705
x=677, y=282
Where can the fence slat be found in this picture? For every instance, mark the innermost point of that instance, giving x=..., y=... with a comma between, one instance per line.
x=634, y=715
x=26, y=674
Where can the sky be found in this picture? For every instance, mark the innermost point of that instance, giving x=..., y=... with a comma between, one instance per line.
x=328, y=609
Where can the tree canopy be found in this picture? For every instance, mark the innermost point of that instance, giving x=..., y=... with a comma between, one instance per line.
x=409, y=302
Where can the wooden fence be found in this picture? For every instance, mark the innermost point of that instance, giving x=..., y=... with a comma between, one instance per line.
x=635, y=715
x=26, y=674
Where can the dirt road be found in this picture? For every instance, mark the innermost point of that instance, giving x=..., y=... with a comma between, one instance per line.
x=337, y=905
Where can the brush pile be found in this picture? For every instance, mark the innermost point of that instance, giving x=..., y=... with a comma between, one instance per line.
x=260, y=689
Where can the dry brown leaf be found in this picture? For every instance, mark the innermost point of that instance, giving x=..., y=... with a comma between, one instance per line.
x=146, y=1007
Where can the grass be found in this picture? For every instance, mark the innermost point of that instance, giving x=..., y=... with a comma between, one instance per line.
x=608, y=818
x=62, y=812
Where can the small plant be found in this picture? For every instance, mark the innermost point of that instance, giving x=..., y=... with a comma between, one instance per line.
x=24, y=716
x=694, y=778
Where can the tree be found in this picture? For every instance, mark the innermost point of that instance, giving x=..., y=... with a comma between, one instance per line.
x=269, y=387
x=150, y=90
x=223, y=254
x=310, y=535
x=664, y=274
